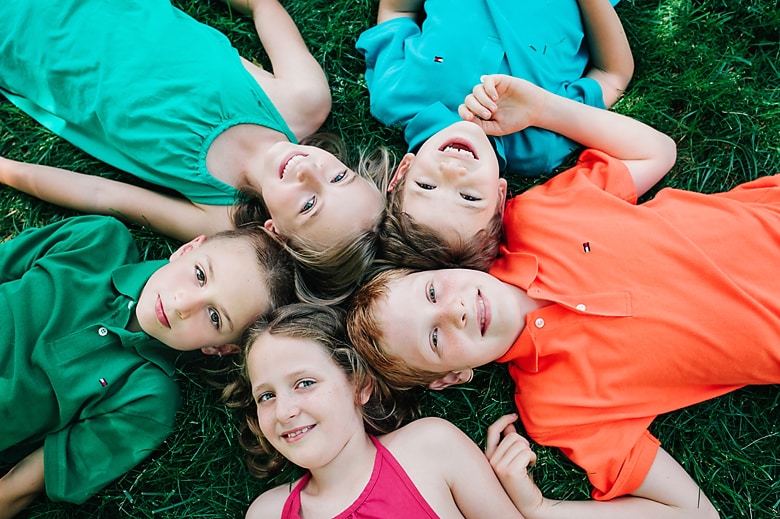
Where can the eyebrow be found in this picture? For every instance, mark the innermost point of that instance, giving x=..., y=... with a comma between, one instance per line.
x=211, y=277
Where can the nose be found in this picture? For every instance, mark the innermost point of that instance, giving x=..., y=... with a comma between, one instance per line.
x=188, y=302
x=451, y=169
x=287, y=408
x=454, y=311
x=308, y=172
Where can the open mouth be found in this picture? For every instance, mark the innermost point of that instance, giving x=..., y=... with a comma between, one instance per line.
x=289, y=162
x=159, y=310
x=459, y=147
x=296, y=433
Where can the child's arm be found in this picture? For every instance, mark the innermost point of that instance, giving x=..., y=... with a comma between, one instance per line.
x=439, y=451
x=504, y=104
x=298, y=86
x=389, y=9
x=22, y=484
x=667, y=492
x=612, y=64
x=174, y=217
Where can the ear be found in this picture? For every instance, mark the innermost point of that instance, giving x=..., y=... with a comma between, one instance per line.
x=225, y=349
x=269, y=225
x=192, y=244
x=365, y=393
x=400, y=171
x=452, y=378
x=502, y=188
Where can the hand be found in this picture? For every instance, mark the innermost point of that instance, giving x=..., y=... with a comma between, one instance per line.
x=510, y=455
x=503, y=104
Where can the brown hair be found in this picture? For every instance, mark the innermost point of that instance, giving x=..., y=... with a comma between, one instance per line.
x=274, y=262
x=324, y=325
x=366, y=334
x=404, y=242
x=326, y=276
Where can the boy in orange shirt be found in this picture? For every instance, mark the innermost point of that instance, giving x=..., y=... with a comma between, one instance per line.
x=602, y=308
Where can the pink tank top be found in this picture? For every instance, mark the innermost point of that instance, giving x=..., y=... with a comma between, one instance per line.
x=389, y=494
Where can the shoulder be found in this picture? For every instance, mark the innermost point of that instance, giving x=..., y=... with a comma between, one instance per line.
x=426, y=437
x=270, y=504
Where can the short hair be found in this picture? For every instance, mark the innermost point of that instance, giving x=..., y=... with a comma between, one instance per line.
x=273, y=260
x=330, y=275
x=366, y=334
x=325, y=326
x=404, y=242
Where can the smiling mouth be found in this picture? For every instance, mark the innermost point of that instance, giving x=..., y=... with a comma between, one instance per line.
x=291, y=160
x=295, y=433
x=481, y=314
x=459, y=147
x=159, y=310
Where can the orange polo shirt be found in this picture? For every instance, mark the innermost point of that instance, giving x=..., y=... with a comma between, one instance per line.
x=659, y=306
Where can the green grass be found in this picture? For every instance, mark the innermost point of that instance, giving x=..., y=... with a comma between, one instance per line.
x=707, y=73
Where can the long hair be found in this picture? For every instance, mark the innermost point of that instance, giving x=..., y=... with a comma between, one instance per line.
x=325, y=326
x=328, y=275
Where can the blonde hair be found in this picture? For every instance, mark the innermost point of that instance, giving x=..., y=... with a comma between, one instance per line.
x=327, y=276
x=325, y=326
x=366, y=334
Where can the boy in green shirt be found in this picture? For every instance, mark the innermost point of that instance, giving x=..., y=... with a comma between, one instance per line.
x=86, y=380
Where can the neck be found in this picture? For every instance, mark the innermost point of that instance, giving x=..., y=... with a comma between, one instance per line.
x=240, y=150
x=342, y=480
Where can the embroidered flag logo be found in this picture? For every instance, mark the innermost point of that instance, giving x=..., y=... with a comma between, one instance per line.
x=103, y=382
x=586, y=246
x=438, y=59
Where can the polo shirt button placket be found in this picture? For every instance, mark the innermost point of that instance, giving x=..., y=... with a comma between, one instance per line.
x=102, y=331
x=539, y=322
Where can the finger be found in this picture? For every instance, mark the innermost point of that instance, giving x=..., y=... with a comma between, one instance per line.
x=465, y=113
x=489, y=86
x=477, y=107
x=495, y=431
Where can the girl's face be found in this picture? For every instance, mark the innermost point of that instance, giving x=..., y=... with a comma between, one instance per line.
x=452, y=182
x=306, y=405
x=312, y=195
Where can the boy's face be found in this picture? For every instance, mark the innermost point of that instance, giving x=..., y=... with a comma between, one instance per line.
x=204, y=298
x=452, y=182
x=313, y=195
x=449, y=320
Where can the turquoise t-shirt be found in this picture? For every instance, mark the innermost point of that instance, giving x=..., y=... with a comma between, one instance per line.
x=98, y=398
x=138, y=84
x=417, y=76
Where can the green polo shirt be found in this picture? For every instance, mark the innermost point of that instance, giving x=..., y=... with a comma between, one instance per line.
x=97, y=397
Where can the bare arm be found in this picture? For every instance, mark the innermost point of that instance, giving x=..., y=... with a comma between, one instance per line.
x=666, y=493
x=22, y=484
x=389, y=9
x=298, y=86
x=177, y=218
x=446, y=465
x=612, y=64
x=504, y=104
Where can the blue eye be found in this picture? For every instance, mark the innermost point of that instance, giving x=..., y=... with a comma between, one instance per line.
x=435, y=338
x=339, y=177
x=265, y=397
x=200, y=275
x=308, y=205
x=214, y=318
x=431, y=293
x=425, y=186
x=305, y=383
